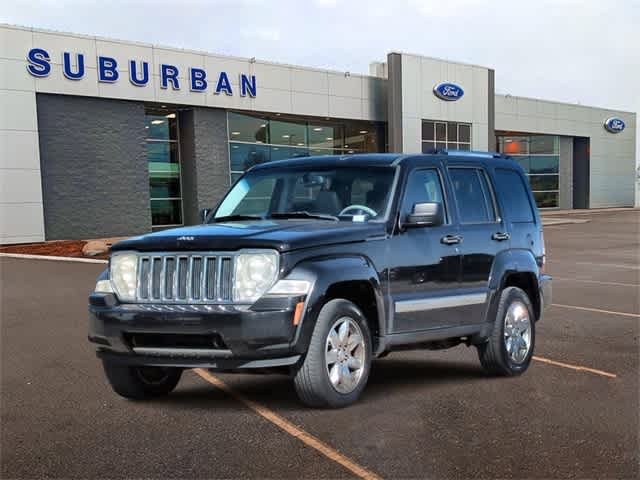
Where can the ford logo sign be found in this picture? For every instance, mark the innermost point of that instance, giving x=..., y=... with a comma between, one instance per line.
x=448, y=91
x=614, y=125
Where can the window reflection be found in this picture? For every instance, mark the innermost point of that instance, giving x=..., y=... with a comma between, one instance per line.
x=245, y=128
x=255, y=139
x=445, y=135
x=163, y=159
x=539, y=157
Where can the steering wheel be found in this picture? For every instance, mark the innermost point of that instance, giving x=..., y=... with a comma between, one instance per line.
x=362, y=208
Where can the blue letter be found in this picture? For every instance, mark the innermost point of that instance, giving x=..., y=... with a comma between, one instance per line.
x=169, y=73
x=133, y=76
x=247, y=85
x=39, y=65
x=224, y=84
x=66, y=56
x=198, y=82
x=107, y=69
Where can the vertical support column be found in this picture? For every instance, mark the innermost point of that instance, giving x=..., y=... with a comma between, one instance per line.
x=566, y=173
x=205, y=160
x=491, y=110
x=581, y=172
x=394, y=99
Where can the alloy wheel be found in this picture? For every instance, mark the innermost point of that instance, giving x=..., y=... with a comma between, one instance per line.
x=345, y=355
x=517, y=332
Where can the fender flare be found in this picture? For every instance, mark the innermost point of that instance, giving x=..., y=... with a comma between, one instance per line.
x=506, y=263
x=323, y=273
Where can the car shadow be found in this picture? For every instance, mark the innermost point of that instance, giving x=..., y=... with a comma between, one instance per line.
x=388, y=376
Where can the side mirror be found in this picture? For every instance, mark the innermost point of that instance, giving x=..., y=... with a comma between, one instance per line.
x=204, y=213
x=425, y=215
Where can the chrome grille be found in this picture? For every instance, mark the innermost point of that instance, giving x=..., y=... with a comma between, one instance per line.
x=185, y=278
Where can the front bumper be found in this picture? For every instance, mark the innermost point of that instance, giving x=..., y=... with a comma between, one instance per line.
x=209, y=336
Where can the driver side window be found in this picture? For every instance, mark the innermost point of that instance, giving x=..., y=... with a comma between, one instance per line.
x=423, y=186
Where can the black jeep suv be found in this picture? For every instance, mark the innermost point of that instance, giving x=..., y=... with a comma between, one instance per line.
x=315, y=266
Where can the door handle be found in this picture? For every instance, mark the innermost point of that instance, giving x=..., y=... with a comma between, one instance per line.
x=451, y=239
x=500, y=236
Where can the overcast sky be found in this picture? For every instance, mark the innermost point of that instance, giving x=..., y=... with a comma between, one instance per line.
x=582, y=51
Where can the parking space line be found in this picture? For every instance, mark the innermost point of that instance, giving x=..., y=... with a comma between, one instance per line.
x=598, y=282
x=575, y=367
x=612, y=265
x=290, y=428
x=597, y=310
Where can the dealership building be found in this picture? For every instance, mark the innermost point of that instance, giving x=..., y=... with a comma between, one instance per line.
x=102, y=137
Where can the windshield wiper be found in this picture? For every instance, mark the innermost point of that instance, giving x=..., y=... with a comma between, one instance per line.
x=305, y=214
x=236, y=218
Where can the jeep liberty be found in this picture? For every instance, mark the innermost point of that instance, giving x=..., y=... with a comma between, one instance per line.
x=316, y=266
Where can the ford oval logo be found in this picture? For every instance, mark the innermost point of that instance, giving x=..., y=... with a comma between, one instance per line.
x=614, y=124
x=448, y=91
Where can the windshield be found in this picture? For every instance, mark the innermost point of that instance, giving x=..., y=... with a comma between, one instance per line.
x=345, y=193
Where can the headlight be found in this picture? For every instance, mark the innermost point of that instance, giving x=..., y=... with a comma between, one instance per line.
x=124, y=271
x=255, y=273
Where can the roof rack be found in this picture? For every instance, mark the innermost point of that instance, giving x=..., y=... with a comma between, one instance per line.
x=468, y=153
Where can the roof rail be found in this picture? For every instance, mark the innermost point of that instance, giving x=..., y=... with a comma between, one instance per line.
x=468, y=153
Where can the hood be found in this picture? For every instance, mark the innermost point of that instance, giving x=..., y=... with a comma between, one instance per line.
x=281, y=235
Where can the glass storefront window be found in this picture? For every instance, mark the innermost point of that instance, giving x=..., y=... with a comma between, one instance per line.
x=326, y=136
x=544, y=164
x=245, y=128
x=166, y=212
x=539, y=157
x=544, y=144
x=546, y=199
x=245, y=155
x=161, y=126
x=445, y=135
x=263, y=138
x=163, y=158
x=282, y=153
x=162, y=152
x=288, y=133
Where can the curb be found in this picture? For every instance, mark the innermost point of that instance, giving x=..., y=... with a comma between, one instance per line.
x=50, y=258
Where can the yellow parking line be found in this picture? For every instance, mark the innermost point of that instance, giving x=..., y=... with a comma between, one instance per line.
x=290, y=428
x=597, y=310
x=575, y=367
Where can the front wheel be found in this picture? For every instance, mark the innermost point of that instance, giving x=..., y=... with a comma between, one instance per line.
x=141, y=382
x=509, y=349
x=337, y=364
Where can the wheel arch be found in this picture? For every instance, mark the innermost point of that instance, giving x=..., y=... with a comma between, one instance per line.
x=352, y=278
x=514, y=268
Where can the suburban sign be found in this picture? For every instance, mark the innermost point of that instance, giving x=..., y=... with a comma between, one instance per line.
x=109, y=71
x=448, y=91
x=614, y=124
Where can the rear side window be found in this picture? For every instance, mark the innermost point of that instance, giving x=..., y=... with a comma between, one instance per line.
x=515, y=197
x=473, y=195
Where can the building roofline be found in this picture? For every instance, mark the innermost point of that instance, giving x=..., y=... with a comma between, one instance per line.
x=184, y=50
x=439, y=59
x=558, y=102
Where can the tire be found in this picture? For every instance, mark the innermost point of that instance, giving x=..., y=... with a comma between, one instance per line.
x=141, y=383
x=313, y=381
x=494, y=354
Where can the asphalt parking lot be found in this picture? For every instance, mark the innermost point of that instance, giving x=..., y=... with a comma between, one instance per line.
x=574, y=414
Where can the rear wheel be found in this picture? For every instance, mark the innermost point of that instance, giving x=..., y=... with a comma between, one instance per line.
x=509, y=349
x=141, y=382
x=336, y=367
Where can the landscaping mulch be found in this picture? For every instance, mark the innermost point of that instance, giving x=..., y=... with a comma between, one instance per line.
x=61, y=248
